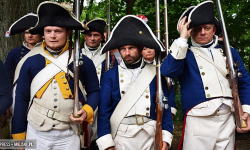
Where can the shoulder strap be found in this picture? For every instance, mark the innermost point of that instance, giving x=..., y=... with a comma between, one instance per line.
x=131, y=96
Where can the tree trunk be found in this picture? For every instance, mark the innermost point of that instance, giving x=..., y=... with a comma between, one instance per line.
x=130, y=4
x=12, y=10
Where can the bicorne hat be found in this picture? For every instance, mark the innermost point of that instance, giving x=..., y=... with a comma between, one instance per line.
x=96, y=25
x=22, y=24
x=201, y=14
x=56, y=14
x=131, y=30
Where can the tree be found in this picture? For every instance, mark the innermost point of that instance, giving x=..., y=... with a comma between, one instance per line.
x=12, y=10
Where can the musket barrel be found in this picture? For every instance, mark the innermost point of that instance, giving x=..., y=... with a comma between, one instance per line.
x=107, y=65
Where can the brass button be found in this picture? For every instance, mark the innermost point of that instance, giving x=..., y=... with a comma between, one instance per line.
x=206, y=88
x=22, y=49
x=122, y=81
x=64, y=82
x=146, y=91
x=99, y=68
x=208, y=95
x=62, y=77
x=195, y=49
x=67, y=88
x=196, y=55
x=123, y=92
x=98, y=72
x=121, y=75
x=221, y=51
x=170, y=51
x=21, y=52
x=140, y=32
x=147, y=114
x=147, y=96
x=203, y=73
x=147, y=109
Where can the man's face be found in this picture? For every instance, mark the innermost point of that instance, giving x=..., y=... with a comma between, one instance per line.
x=32, y=39
x=203, y=34
x=130, y=53
x=55, y=37
x=93, y=38
x=148, y=54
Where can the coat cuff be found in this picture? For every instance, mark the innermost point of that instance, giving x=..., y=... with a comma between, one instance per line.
x=90, y=113
x=173, y=110
x=105, y=142
x=19, y=136
x=246, y=108
x=167, y=137
x=178, y=51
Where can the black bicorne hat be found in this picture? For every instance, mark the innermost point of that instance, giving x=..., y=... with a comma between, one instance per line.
x=56, y=14
x=22, y=24
x=131, y=30
x=202, y=14
x=96, y=25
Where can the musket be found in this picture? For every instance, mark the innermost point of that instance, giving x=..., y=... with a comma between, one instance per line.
x=108, y=64
x=160, y=99
x=232, y=73
x=169, y=80
x=78, y=61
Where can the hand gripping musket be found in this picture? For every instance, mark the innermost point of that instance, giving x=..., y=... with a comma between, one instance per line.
x=232, y=71
x=169, y=80
x=78, y=61
x=108, y=64
x=160, y=99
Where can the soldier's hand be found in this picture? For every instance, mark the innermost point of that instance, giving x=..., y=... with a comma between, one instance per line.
x=183, y=28
x=82, y=114
x=111, y=148
x=245, y=117
x=164, y=146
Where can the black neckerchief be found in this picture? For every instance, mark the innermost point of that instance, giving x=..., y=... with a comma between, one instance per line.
x=207, y=45
x=135, y=65
x=53, y=53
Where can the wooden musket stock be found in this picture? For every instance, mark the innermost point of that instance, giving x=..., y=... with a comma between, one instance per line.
x=233, y=75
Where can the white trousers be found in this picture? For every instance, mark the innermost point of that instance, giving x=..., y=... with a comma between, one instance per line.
x=134, y=137
x=216, y=132
x=54, y=139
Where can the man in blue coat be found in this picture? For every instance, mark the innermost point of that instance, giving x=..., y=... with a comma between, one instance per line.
x=44, y=94
x=206, y=96
x=126, y=114
x=16, y=54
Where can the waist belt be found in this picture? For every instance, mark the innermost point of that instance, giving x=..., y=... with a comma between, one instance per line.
x=132, y=120
x=50, y=113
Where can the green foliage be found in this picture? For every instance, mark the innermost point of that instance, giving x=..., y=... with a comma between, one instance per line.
x=178, y=117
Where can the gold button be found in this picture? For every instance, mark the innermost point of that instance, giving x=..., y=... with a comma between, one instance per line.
x=206, y=88
x=64, y=82
x=21, y=52
x=208, y=95
x=98, y=72
x=203, y=73
x=221, y=51
x=123, y=92
x=147, y=96
x=62, y=77
x=67, y=88
x=121, y=75
x=170, y=51
x=195, y=49
x=146, y=91
x=147, y=109
x=140, y=32
x=121, y=81
x=147, y=114
x=99, y=68
x=196, y=55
